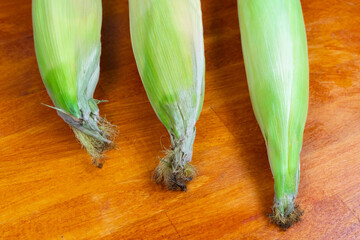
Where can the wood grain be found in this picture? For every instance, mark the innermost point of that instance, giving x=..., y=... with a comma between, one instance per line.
x=49, y=189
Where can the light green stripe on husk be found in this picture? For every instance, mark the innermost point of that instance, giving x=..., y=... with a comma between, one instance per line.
x=167, y=40
x=67, y=44
x=275, y=52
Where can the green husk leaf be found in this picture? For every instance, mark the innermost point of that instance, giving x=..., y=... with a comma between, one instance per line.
x=275, y=52
x=167, y=40
x=67, y=44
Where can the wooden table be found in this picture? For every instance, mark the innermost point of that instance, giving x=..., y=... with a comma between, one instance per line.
x=49, y=189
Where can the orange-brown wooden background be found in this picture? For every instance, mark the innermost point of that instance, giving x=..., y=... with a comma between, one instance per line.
x=49, y=189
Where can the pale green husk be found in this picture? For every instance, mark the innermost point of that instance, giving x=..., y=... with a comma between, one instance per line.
x=67, y=44
x=276, y=60
x=167, y=40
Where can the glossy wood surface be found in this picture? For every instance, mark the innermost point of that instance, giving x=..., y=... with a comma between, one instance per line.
x=49, y=189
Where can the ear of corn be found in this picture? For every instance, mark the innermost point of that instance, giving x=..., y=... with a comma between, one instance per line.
x=68, y=47
x=275, y=53
x=167, y=40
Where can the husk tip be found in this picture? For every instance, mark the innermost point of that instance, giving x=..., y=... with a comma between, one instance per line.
x=173, y=179
x=285, y=222
x=95, y=147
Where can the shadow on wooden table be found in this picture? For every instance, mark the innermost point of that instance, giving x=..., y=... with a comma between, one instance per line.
x=113, y=35
x=236, y=111
x=122, y=86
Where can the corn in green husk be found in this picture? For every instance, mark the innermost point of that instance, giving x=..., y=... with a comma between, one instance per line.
x=67, y=44
x=276, y=60
x=167, y=40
